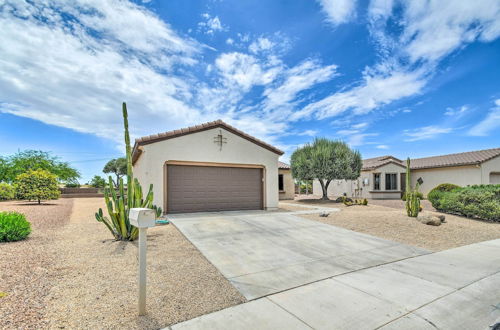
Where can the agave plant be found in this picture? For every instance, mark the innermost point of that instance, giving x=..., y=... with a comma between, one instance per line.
x=412, y=195
x=119, y=204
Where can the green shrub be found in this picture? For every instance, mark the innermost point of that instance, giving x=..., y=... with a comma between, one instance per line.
x=481, y=201
x=36, y=186
x=6, y=191
x=98, y=182
x=434, y=196
x=13, y=227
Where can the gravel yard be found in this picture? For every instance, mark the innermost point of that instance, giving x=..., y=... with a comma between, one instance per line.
x=25, y=266
x=93, y=279
x=393, y=224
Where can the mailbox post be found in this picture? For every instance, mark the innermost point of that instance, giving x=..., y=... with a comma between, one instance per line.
x=143, y=219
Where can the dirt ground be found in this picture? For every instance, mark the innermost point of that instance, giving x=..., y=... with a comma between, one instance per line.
x=25, y=266
x=90, y=280
x=392, y=223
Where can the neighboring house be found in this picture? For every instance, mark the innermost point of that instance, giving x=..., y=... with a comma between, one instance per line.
x=208, y=167
x=384, y=177
x=286, y=187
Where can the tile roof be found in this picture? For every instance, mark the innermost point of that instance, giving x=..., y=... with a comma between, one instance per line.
x=372, y=163
x=283, y=166
x=194, y=129
x=459, y=159
x=463, y=158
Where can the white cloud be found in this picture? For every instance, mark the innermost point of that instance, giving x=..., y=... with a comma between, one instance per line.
x=229, y=41
x=375, y=91
x=490, y=123
x=211, y=24
x=382, y=146
x=245, y=70
x=260, y=45
x=456, y=112
x=62, y=75
x=426, y=132
x=338, y=11
x=299, y=78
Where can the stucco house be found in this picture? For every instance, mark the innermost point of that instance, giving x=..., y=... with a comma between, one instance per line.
x=384, y=177
x=208, y=167
x=286, y=186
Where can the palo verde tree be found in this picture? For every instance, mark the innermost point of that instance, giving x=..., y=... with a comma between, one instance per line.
x=326, y=160
x=118, y=167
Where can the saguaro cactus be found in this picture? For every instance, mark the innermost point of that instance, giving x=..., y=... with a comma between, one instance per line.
x=119, y=204
x=412, y=199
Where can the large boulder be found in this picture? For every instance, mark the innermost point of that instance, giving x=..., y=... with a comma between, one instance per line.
x=429, y=220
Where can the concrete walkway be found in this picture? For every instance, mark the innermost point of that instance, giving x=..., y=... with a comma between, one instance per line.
x=262, y=253
x=453, y=289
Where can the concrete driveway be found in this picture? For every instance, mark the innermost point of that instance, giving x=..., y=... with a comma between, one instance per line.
x=452, y=289
x=263, y=253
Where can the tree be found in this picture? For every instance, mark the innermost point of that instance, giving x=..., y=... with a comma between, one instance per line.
x=36, y=159
x=118, y=167
x=36, y=185
x=326, y=160
x=98, y=182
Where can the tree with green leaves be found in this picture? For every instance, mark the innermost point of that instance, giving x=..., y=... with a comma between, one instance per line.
x=98, y=182
x=23, y=161
x=118, y=167
x=326, y=160
x=36, y=185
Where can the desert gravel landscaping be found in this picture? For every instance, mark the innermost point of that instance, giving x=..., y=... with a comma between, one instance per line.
x=90, y=281
x=393, y=224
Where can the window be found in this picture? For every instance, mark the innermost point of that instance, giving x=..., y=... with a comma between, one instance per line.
x=391, y=181
x=281, y=186
x=376, y=181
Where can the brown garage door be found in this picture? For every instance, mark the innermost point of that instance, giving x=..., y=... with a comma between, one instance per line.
x=210, y=188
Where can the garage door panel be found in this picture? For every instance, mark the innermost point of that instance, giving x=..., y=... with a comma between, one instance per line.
x=207, y=188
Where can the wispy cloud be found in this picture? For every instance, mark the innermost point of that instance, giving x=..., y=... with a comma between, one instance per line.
x=338, y=11
x=382, y=146
x=426, y=132
x=456, y=112
x=490, y=123
x=210, y=24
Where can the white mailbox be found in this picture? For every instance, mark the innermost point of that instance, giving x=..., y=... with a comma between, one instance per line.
x=142, y=217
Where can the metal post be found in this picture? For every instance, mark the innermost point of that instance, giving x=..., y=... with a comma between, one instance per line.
x=142, y=270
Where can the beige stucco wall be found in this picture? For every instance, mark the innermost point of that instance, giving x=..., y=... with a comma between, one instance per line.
x=200, y=147
x=358, y=188
x=459, y=175
x=288, y=185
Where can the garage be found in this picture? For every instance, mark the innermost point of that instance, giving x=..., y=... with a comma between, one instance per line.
x=208, y=167
x=213, y=188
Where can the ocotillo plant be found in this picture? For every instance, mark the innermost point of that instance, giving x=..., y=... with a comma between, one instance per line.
x=119, y=205
x=412, y=199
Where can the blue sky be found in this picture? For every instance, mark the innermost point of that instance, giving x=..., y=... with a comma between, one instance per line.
x=416, y=79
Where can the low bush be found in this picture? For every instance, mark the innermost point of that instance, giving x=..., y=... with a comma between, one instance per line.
x=435, y=195
x=13, y=227
x=6, y=192
x=481, y=201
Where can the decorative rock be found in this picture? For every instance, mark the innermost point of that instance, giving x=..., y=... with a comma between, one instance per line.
x=429, y=220
x=442, y=218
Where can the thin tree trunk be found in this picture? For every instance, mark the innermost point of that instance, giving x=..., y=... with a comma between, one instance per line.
x=38, y=202
x=324, y=188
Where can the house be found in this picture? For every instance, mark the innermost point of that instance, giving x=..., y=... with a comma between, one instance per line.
x=286, y=186
x=208, y=167
x=384, y=177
